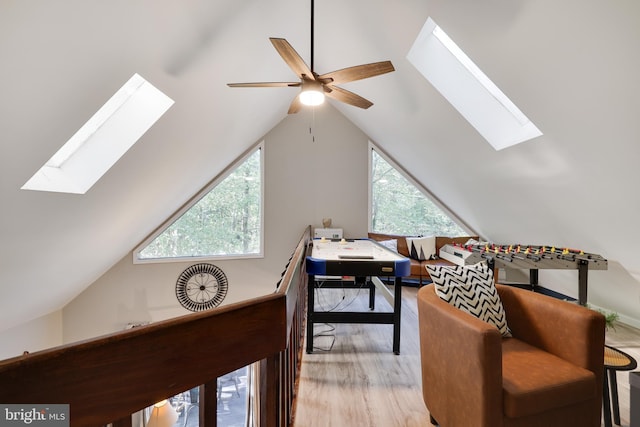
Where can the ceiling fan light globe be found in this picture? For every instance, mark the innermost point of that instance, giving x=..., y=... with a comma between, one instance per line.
x=311, y=97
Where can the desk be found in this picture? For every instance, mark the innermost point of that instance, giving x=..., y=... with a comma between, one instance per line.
x=614, y=360
x=360, y=258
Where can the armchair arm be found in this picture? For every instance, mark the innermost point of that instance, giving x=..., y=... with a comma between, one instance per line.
x=569, y=331
x=461, y=360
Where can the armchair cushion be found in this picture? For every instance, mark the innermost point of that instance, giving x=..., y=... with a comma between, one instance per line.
x=550, y=382
x=537, y=378
x=471, y=289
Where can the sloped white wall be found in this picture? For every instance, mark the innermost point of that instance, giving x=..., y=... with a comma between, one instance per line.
x=39, y=334
x=572, y=69
x=315, y=167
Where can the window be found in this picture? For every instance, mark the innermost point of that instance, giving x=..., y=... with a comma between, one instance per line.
x=233, y=395
x=437, y=57
x=103, y=140
x=223, y=221
x=399, y=206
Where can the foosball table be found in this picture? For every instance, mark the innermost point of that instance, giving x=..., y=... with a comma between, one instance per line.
x=531, y=257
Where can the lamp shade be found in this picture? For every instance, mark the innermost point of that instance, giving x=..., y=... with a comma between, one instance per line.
x=312, y=93
x=162, y=415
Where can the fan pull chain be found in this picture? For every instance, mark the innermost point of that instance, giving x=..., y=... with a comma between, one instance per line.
x=313, y=123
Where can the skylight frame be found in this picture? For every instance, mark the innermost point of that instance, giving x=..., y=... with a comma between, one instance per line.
x=103, y=139
x=441, y=61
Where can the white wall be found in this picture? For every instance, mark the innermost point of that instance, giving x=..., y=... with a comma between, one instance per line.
x=305, y=181
x=38, y=334
x=614, y=289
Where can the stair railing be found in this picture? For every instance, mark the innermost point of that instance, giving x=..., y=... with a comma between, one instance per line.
x=106, y=379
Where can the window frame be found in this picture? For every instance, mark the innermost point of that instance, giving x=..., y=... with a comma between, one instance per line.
x=428, y=194
x=468, y=89
x=194, y=200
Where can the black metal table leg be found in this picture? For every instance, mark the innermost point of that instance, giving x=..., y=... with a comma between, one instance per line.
x=397, y=305
x=613, y=387
x=583, y=272
x=311, y=289
x=533, y=278
x=606, y=403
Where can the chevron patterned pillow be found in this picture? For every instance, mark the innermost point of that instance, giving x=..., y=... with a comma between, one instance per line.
x=471, y=289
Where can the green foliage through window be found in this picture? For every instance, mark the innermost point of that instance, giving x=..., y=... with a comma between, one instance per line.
x=399, y=207
x=224, y=222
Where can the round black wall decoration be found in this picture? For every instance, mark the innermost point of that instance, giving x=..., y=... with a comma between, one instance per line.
x=201, y=286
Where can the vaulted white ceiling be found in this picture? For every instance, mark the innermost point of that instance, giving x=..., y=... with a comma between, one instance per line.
x=571, y=66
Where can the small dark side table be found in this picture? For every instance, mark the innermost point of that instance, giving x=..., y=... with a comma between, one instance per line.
x=614, y=360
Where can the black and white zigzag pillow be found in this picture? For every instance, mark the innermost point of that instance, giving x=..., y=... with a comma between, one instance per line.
x=471, y=289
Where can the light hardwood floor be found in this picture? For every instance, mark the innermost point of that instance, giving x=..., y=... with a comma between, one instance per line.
x=353, y=379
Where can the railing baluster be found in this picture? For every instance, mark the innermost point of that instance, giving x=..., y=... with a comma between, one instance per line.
x=209, y=404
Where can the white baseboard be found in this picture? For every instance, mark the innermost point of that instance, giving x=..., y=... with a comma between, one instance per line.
x=622, y=318
x=629, y=321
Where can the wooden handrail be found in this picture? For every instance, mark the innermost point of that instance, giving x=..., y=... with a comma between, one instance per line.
x=110, y=377
x=280, y=371
x=290, y=281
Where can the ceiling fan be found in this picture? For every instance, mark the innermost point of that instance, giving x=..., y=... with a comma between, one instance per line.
x=315, y=86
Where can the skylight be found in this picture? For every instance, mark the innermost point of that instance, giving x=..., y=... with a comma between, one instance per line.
x=103, y=140
x=436, y=56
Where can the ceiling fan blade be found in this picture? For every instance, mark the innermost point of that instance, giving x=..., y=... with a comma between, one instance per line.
x=347, y=97
x=295, y=106
x=265, y=84
x=291, y=57
x=358, y=72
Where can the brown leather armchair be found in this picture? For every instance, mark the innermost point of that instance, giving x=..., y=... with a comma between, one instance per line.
x=549, y=374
